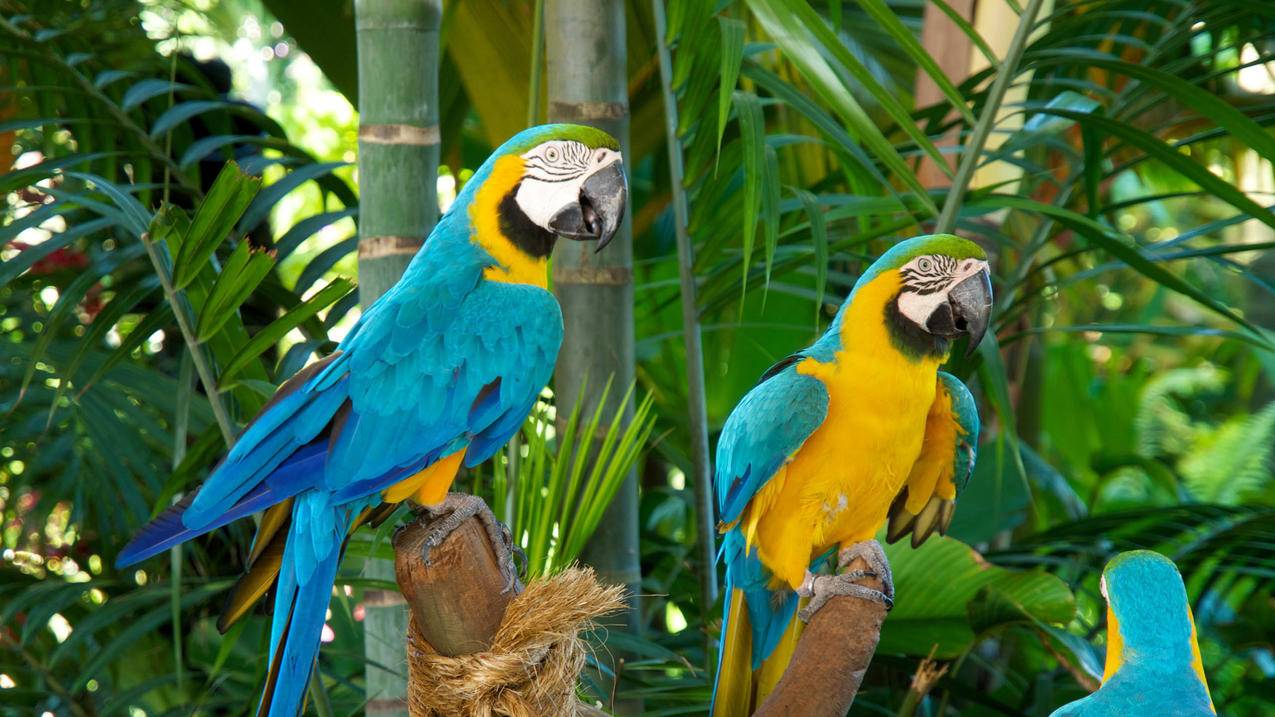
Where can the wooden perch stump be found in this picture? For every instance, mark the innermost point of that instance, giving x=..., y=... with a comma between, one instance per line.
x=831, y=657
x=473, y=648
x=456, y=600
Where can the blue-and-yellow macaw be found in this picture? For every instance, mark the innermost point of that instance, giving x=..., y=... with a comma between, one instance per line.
x=858, y=428
x=438, y=373
x=1153, y=660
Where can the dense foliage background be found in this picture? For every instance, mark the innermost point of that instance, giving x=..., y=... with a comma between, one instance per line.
x=1124, y=192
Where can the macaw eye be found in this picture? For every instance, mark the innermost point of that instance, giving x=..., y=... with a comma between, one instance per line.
x=925, y=265
x=551, y=154
x=601, y=155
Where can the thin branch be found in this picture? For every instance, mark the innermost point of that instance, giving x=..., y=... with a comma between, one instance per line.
x=202, y=366
x=973, y=150
x=695, y=395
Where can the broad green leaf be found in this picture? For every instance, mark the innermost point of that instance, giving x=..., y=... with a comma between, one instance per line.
x=213, y=222
x=244, y=270
x=270, y=335
x=937, y=590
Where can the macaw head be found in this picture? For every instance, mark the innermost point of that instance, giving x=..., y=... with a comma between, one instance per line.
x=1148, y=615
x=944, y=291
x=556, y=180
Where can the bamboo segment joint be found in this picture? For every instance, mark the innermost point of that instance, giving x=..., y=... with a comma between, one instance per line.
x=586, y=111
x=399, y=134
x=593, y=275
x=377, y=247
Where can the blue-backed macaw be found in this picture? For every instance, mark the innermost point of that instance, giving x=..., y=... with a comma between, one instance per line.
x=438, y=373
x=1153, y=660
x=859, y=427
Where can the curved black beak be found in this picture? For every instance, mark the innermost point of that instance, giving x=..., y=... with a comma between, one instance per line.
x=600, y=209
x=967, y=311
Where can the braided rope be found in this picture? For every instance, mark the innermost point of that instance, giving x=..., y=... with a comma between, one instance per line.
x=534, y=660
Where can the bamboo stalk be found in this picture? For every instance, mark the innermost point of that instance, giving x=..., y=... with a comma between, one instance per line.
x=587, y=84
x=398, y=205
x=695, y=395
x=973, y=150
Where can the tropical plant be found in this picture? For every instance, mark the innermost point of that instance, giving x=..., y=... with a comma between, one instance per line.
x=1114, y=156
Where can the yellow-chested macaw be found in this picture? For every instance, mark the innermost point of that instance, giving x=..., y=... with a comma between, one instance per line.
x=1153, y=660
x=858, y=428
x=438, y=373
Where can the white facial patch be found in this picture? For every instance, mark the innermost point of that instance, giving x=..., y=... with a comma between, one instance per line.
x=927, y=281
x=1102, y=586
x=553, y=175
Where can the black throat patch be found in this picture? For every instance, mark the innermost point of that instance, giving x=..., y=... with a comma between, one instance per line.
x=525, y=234
x=911, y=340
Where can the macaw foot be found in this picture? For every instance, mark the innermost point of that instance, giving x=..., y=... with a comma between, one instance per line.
x=821, y=588
x=455, y=509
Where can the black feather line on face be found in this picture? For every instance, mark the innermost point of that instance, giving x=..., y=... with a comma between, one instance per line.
x=936, y=278
x=910, y=339
x=530, y=238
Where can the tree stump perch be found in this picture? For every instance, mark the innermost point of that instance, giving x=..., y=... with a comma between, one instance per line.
x=473, y=648
x=456, y=600
x=831, y=657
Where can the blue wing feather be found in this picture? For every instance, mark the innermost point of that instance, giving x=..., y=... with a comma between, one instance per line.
x=764, y=430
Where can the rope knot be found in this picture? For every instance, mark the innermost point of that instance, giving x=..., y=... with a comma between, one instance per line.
x=534, y=660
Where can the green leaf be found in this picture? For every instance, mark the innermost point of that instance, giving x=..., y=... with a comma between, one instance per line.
x=819, y=237
x=149, y=89
x=245, y=269
x=888, y=21
x=789, y=23
x=1207, y=104
x=259, y=210
x=278, y=328
x=1119, y=246
x=137, y=218
x=752, y=132
x=944, y=585
x=1173, y=159
x=184, y=111
x=213, y=222
x=770, y=207
x=732, y=57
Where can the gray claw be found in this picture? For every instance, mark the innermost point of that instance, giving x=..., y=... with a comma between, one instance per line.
x=455, y=509
x=872, y=554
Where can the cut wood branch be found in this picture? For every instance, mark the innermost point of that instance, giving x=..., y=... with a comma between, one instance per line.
x=831, y=658
x=475, y=648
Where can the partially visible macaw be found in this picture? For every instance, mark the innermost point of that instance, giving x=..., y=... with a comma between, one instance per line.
x=438, y=373
x=858, y=428
x=1153, y=660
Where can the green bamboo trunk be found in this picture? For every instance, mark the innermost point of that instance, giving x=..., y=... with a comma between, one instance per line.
x=587, y=84
x=398, y=205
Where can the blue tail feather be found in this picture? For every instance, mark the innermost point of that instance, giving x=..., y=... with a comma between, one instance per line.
x=300, y=607
x=174, y=526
